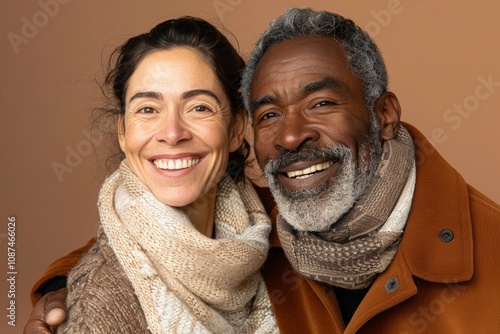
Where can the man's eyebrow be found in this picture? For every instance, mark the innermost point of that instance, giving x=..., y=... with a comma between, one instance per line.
x=326, y=83
x=257, y=102
x=196, y=92
x=149, y=94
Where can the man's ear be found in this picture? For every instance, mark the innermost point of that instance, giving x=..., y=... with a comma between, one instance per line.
x=237, y=130
x=120, y=129
x=388, y=111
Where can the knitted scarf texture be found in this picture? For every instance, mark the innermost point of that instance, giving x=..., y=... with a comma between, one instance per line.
x=186, y=282
x=363, y=242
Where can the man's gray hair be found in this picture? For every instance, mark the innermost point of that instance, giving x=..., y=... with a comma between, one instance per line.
x=364, y=58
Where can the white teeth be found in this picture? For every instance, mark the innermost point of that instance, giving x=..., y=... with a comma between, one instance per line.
x=305, y=173
x=175, y=164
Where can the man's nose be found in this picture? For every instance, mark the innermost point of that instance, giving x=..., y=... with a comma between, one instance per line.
x=296, y=130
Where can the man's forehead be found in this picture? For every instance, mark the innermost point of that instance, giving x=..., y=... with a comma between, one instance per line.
x=307, y=45
x=301, y=63
x=304, y=52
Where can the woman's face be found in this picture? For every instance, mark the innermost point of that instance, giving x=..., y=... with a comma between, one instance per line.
x=177, y=130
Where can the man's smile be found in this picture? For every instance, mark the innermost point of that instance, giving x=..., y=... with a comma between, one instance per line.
x=307, y=174
x=310, y=170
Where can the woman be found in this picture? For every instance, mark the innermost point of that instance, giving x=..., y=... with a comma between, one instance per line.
x=180, y=241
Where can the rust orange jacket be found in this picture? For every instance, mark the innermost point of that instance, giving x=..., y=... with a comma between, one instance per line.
x=443, y=279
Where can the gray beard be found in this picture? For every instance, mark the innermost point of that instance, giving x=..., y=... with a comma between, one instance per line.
x=319, y=208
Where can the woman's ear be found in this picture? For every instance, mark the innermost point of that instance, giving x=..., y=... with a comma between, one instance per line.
x=120, y=129
x=237, y=130
x=388, y=111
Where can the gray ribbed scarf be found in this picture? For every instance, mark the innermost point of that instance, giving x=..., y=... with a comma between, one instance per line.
x=185, y=281
x=364, y=241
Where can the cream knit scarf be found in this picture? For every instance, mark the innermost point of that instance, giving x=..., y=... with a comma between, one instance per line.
x=186, y=282
x=364, y=241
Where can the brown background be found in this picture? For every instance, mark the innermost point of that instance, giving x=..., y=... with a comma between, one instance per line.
x=439, y=54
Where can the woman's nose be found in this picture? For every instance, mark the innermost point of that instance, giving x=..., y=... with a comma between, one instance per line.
x=172, y=129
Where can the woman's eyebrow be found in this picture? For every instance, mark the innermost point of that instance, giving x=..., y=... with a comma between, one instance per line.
x=185, y=95
x=195, y=92
x=149, y=94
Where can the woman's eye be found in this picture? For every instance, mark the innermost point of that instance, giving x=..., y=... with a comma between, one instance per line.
x=201, y=108
x=146, y=110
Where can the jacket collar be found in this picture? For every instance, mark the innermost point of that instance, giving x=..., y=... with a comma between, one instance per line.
x=437, y=242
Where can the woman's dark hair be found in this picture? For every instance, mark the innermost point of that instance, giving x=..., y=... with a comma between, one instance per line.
x=190, y=32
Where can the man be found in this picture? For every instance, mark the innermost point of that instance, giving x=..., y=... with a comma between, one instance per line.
x=376, y=233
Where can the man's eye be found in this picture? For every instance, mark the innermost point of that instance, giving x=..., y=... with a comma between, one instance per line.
x=324, y=103
x=268, y=115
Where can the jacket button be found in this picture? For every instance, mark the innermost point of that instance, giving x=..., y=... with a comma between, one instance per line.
x=446, y=235
x=391, y=285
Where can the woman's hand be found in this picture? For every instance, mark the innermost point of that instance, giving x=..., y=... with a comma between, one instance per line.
x=48, y=313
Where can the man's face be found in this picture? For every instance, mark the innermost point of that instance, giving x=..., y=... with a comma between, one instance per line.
x=314, y=137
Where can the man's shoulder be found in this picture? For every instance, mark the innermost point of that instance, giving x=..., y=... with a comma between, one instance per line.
x=482, y=205
x=485, y=221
